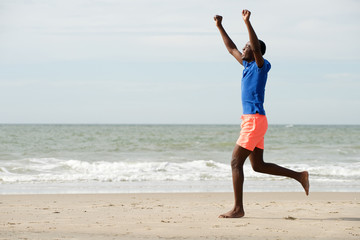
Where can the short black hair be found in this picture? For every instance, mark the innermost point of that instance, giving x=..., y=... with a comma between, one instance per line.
x=262, y=47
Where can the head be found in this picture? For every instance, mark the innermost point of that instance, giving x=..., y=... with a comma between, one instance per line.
x=248, y=54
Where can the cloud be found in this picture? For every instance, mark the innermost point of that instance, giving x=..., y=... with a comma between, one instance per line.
x=61, y=30
x=104, y=48
x=344, y=76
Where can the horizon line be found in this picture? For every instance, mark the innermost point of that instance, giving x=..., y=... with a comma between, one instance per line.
x=184, y=124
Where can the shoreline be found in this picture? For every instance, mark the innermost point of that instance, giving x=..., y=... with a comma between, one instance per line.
x=210, y=186
x=268, y=215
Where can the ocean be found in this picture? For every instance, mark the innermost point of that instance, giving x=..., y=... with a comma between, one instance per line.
x=170, y=158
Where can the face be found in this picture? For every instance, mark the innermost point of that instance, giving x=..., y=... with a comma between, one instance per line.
x=247, y=54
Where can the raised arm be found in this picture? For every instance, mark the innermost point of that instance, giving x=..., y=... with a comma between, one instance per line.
x=254, y=41
x=230, y=45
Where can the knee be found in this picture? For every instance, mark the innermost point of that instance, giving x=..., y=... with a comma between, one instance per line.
x=258, y=167
x=236, y=163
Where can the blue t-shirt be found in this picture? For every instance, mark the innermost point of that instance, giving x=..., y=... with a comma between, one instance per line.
x=253, y=87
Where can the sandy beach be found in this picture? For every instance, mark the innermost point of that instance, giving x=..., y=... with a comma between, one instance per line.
x=179, y=216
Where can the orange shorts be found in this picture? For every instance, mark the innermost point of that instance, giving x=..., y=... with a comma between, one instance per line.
x=253, y=129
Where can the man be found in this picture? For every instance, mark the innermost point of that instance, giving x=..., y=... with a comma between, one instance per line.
x=254, y=122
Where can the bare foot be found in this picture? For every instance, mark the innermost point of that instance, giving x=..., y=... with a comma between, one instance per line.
x=305, y=181
x=233, y=214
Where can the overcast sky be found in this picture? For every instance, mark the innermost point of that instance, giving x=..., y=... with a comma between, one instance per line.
x=163, y=61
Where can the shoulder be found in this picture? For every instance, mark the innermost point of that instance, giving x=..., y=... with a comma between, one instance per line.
x=266, y=62
x=266, y=66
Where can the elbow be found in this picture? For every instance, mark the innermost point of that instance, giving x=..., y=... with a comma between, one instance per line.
x=231, y=50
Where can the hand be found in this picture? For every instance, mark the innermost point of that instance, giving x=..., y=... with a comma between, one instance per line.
x=218, y=20
x=246, y=15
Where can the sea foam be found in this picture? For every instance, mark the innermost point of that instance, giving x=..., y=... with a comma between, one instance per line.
x=52, y=169
x=58, y=170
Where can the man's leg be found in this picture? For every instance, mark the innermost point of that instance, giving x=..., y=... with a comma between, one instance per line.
x=258, y=164
x=238, y=158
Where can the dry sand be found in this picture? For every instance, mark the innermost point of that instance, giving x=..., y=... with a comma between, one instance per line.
x=180, y=216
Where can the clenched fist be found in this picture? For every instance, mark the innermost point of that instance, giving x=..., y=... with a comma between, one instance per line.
x=246, y=15
x=218, y=20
